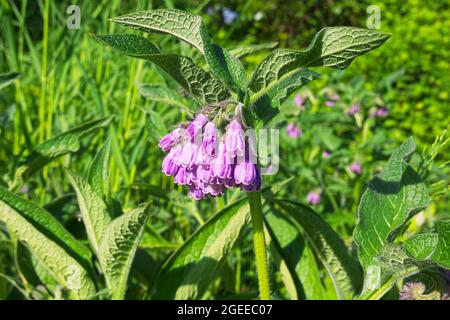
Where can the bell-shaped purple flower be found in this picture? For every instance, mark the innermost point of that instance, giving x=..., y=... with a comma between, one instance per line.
x=196, y=193
x=182, y=177
x=203, y=173
x=195, y=127
x=170, y=139
x=354, y=108
x=188, y=154
x=169, y=164
x=221, y=166
x=208, y=146
x=234, y=139
x=299, y=100
x=246, y=173
x=356, y=168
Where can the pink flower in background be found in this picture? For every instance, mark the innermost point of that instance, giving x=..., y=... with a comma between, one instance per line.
x=293, y=131
x=356, y=168
x=381, y=112
x=326, y=154
x=299, y=101
x=329, y=103
x=313, y=197
x=355, y=108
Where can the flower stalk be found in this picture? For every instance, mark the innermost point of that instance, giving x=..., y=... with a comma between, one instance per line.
x=259, y=244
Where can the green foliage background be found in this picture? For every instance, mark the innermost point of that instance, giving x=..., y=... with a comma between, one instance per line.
x=67, y=78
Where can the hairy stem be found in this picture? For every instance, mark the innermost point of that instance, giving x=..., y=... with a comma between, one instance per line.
x=254, y=200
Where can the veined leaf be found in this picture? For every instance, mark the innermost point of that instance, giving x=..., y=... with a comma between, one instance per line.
x=60, y=145
x=243, y=51
x=442, y=253
x=288, y=242
x=98, y=170
x=190, y=28
x=421, y=246
x=389, y=201
x=93, y=210
x=7, y=78
x=201, y=84
x=328, y=247
x=118, y=246
x=190, y=270
x=266, y=106
x=331, y=47
x=46, y=224
x=64, y=267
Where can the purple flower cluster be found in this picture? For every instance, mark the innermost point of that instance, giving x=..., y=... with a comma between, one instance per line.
x=354, y=108
x=199, y=158
x=313, y=197
x=356, y=167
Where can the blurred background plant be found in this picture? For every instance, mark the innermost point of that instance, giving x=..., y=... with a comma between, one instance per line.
x=335, y=134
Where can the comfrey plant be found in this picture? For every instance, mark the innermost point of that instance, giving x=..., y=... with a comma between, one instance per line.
x=226, y=99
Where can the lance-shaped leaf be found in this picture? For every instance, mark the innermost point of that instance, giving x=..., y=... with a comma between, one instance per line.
x=288, y=244
x=118, y=246
x=190, y=270
x=328, y=247
x=46, y=224
x=265, y=106
x=190, y=28
x=50, y=243
x=93, y=210
x=442, y=253
x=98, y=170
x=331, y=47
x=7, y=78
x=60, y=145
x=204, y=87
x=389, y=201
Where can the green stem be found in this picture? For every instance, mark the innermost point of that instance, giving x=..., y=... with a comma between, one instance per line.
x=254, y=200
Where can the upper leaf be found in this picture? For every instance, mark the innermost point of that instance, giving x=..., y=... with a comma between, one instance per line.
x=331, y=47
x=190, y=28
x=421, y=246
x=201, y=84
x=118, y=246
x=389, y=201
x=343, y=270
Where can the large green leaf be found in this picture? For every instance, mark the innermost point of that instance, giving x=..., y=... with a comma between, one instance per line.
x=191, y=269
x=50, y=243
x=58, y=146
x=389, y=201
x=266, y=106
x=288, y=242
x=328, y=247
x=118, y=246
x=201, y=84
x=7, y=78
x=46, y=224
x=98, y=170
x=442, y=253
x=93, y=209
x=331, y=47
x=190, y=28
x=421, y=246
